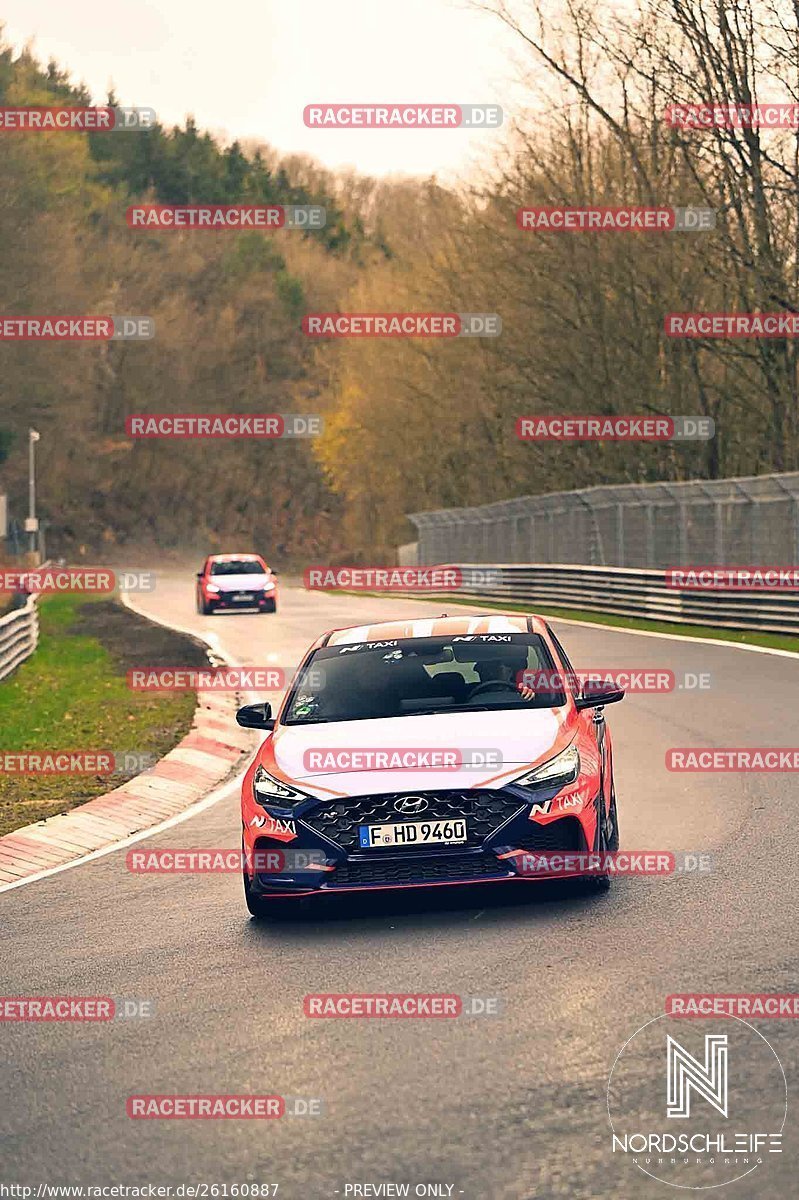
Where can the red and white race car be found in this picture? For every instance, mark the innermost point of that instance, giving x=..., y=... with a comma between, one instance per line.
x=236, y=581
x=425, y=753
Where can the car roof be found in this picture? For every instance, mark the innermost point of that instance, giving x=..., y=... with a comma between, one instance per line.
x=444, y=626
x=235, y=557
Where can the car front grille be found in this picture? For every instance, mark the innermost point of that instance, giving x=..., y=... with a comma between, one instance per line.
x=484, y=811
x=437, y=868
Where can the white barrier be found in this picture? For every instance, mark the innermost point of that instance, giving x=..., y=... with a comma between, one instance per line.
x=19, y=636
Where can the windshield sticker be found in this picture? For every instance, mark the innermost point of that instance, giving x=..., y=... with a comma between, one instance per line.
x=367, y=646
x=485, y=637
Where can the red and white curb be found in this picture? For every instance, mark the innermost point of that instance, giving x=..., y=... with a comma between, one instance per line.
x=210, y=752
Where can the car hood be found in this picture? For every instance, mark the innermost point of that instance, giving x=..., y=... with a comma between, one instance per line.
x=522, y=737
x=240, y=583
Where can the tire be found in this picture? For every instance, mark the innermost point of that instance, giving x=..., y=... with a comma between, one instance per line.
x=279, y=908
x=594, y=884
x=263, y=910
x=270, y=606
x=256, y=905
x=206, y=608
x=613, y=840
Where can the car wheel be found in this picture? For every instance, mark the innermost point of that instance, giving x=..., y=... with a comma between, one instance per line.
x=275, y=909
x=612, y=839
x=207, y=608
x=256, y=905
x=270, y=606
x=262, y=909
x=593, y=884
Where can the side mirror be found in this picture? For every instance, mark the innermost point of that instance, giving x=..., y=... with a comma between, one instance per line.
x=199, y=574
x=256, y=716
x=596, y=695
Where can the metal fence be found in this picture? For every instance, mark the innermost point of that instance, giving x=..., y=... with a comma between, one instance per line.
x=19, y=636
x=655, y=525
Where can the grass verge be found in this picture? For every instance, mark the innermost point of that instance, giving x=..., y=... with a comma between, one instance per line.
x=72, y=695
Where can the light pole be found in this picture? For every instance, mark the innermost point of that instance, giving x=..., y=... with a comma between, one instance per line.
x=32, y=524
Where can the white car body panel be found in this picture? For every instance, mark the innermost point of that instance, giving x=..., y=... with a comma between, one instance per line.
x=521, y=736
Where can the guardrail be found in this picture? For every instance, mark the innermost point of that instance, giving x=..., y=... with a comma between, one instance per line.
x=19, y=636
x=628, y=592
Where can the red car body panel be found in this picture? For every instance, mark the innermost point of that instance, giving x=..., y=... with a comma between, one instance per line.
x=583, y=800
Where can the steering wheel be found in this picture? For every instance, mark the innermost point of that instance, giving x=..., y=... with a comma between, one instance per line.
x=492, y=685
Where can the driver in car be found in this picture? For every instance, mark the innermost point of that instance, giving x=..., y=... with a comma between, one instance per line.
x=509, y=672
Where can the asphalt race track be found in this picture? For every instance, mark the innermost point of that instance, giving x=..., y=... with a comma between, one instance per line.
x=509, y=1106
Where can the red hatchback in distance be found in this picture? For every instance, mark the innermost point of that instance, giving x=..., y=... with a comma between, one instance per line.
x=236, y=581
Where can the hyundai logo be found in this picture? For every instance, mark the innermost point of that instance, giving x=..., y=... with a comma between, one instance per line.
x=411, y=804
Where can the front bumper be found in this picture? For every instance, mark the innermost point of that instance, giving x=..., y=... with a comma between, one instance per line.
x=498, y=828
x=257, y=598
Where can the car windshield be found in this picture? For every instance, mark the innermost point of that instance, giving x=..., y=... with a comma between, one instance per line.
x=238, y=566
x=414, y=676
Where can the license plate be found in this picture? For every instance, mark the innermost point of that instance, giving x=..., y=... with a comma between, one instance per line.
x=413, y=833
x=243, y=596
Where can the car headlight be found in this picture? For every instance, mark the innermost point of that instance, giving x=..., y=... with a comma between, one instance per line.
x=267, y=790
x=211, y=587
x=269, y=587
x=563, y=768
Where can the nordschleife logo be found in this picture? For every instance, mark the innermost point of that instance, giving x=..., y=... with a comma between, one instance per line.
x=697, y=1108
